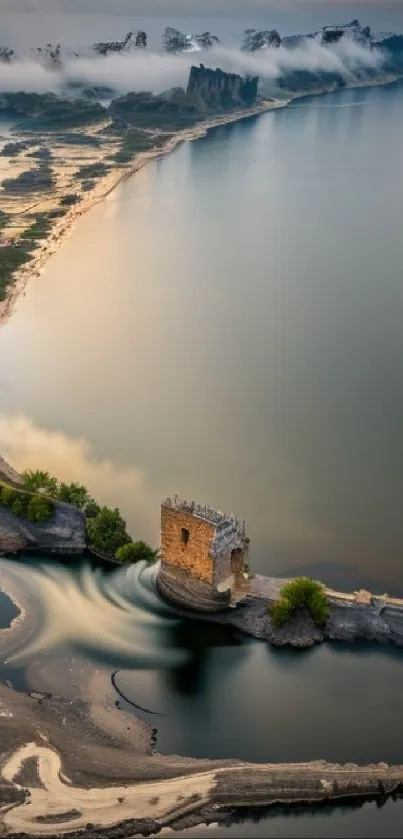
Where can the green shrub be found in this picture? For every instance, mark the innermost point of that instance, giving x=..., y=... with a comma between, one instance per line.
x=75, y=494
x=34, y=507
x=135, y=551
x=91, y=509
x=39, y=508
x=8, y=496
x=35, y=481
x=303, y=591
x=107, y=530
x=280, y=612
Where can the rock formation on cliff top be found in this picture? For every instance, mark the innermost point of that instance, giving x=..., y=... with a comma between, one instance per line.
x=214, y=90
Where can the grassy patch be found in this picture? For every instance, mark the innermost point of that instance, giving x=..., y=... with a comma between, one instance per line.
x=12, y=258
x=303, y=591
x=133, y=143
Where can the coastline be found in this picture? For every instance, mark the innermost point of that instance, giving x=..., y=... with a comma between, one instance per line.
x=79, y=764
x=106, y=185
x=84, y=768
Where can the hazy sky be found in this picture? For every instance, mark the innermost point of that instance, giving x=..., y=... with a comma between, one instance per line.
x=201, y=8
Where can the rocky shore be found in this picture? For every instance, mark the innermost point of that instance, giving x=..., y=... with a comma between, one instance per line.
x=380, y=620
x=82, y=768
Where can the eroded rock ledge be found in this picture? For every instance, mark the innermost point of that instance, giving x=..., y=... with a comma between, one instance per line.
x=379, y=621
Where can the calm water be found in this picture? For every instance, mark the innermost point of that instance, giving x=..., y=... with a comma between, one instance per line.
x=8, y=611
x=227, y=325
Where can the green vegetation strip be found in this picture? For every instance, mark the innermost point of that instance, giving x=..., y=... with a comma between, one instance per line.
x=106, y=529
x=35, y=507
x=303, y=591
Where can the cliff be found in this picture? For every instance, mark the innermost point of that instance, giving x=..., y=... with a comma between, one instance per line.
x=214, y=90
x=63, y=533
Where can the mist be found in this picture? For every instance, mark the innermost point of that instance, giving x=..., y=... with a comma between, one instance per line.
x=152, y=71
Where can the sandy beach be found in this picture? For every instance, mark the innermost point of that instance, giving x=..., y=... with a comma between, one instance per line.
x=104, y=186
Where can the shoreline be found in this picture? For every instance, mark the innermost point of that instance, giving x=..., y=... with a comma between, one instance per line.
x=107, y=184
x=79, y=765
x=72, y=768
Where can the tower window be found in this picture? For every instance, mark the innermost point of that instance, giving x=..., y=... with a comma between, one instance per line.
x=185, y=536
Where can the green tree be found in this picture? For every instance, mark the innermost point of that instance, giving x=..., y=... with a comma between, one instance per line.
x=75, y=494
x=107, y=530
x=135, y=551
x=8, y=495
x=91, y=509
x=303, y=591
x=39, y=481
x=39, y=508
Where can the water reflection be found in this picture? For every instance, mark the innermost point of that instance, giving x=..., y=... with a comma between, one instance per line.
x=366, y=820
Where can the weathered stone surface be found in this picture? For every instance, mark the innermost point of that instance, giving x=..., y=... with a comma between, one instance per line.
x=193, y=557
x=64, y=532
x=215, y=90
x=257, y=39
x=187, y=592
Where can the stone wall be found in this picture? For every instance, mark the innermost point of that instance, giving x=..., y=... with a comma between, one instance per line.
x=194, y=557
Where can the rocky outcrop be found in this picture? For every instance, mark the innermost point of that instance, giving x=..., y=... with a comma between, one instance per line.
x=133, y=40
x=63, y=533
x=185, y=591
x=353, y=620
x=6, y=54
x=214, y=90
x=257, y=39
x=175, y=42
x=333, y=34
x=206, y=40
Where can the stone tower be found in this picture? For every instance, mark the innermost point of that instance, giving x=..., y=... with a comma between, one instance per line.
x=203, y=556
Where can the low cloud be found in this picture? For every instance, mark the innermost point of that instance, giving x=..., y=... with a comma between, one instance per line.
x=146, y=70
x=27, y=446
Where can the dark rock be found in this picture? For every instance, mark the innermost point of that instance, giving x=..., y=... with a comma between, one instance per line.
x=174, y=41
x=206, y=40
x=50, y=54
x=257, y=39
x=6, y=54
x=133, y=40
x=215, y=90
x=333, y=34
x=63, y=533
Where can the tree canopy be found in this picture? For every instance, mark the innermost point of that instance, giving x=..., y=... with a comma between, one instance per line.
x=135, y=551
x=106, y=529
